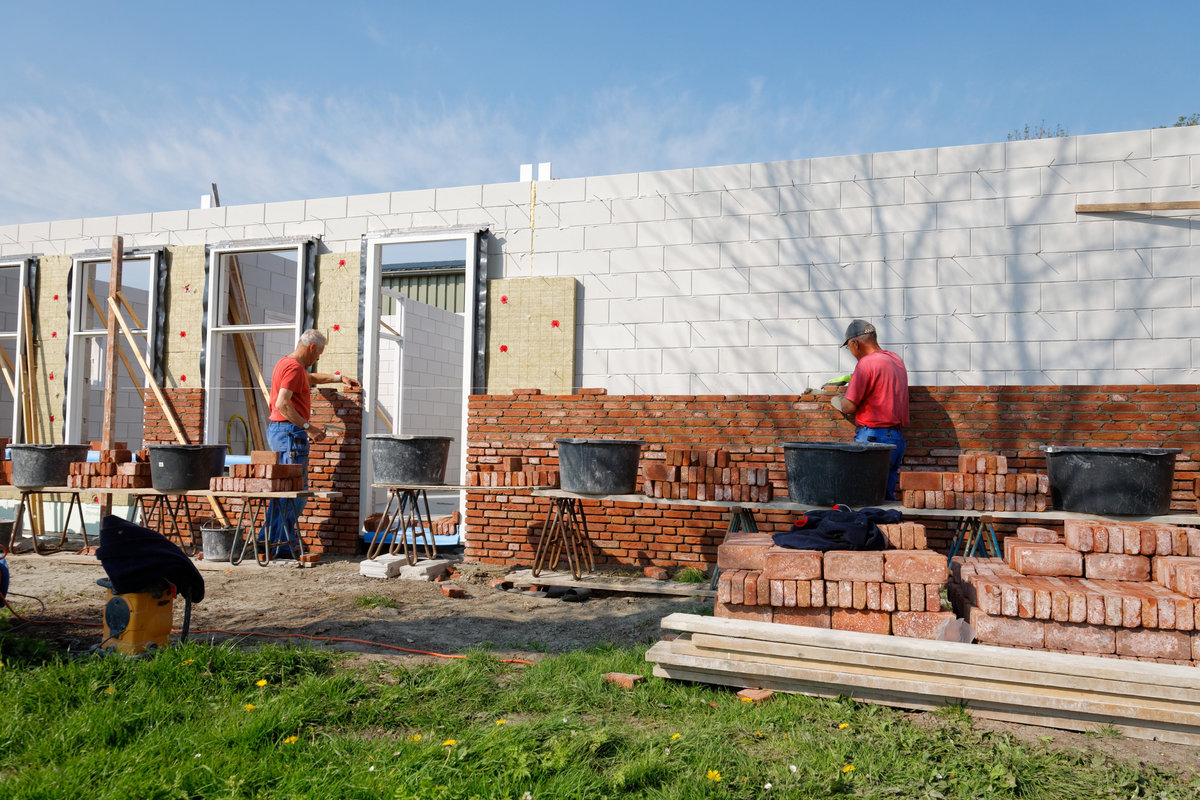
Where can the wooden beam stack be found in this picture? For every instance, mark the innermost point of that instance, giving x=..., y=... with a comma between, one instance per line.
x=1146, y=701
x=705, y=473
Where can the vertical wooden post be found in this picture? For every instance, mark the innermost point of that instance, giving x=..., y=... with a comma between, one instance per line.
x=110, y=360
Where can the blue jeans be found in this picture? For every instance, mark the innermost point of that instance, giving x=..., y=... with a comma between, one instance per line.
x=886, y=436
x=291, y=442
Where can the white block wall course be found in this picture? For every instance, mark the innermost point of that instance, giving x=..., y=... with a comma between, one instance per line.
x=951, y=356
x=291, y=211
x=820, y=310
x=562, y=190
x=588, y=212
x=586, y=262
x=902, y=163
x=636, y=310
x=432, y=220
x=506, y=194
x=1142, y=354
x=758, y=359
x=692, y=256
x=775, y=383
x=732, y=333
x=413, y=201
x=1005, y=355
x=970, y=214
x=310, y=228
x=779, y=173
x=811, y=196
x=661, y=283
x=721, y=229
x=363, y=205
x=936, y=244
x=481, y=217
x=590, y=361
x=971, y=158
x=793, y=225
x=66, y=228
x=749, y=306
x=1078, y=236
x=1151, y=173
x=325, y=208
x=636, y=259
x=613, y=337
x=909, y=217
x=458, y=197
x=608, y=237
x=881, y=247
x=644, y=362
x=1123, y=196
x=1040, y=152
x=555, y=239
x=225, y=234
x=1097, y=264
x=689, y=308
x=377, y=223
x=970, y=328
x=971, y=270
x=691, y=206
x=1151, y=232
x=707, y=179
x=344, y=234
x=33, y=232
x=609, y=187
x=1080, y=295
x=1121, y=324
x=906, y=272
x=1175, y=141
x=1006, y=183
x=1154, y=293
x=1013, y=240
x=937, y=188
x=840, y=222
x=676, y=181
x=1041, y=268
x=1173, y=261
x=1075, y=178
x=690, y=361
x=790, y=278
x=836, y=277
x=720, y=281
x=666, y=232
x=154, y=239
x=750, y=201
x=100, y=226
x=874, y=303
x=840, y=168
x=932, y=300
x=774, y=332
x=639, y=209
x=206, y=217
x=186, y=237
x=750, y=254
x=1121, y=146
x=545, y=215
x=1040, y=210
x=878, y=192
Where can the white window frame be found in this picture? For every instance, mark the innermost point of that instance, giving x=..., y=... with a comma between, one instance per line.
x=79, y=338
x=371, y=319
x=217, y=335
x=17, y=351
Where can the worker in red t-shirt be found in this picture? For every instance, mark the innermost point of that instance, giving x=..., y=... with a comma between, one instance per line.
x=290, y=429
x=877, y=396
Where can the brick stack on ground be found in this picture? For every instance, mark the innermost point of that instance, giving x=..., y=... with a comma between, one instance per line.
x=263, y=474
x=5, y=465
x=1123, y=590
x=512, y=471
x=896, y=591
x=982, y=483
x=704, y=473
x=115, y=469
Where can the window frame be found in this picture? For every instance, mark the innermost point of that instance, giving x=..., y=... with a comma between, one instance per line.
x=21, y=264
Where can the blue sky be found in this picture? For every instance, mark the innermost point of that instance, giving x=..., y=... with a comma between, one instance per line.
x=132, y=107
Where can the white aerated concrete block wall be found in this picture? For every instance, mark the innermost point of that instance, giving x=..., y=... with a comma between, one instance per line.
x=737, y=279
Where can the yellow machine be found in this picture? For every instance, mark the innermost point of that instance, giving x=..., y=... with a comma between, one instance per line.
x=138, y=621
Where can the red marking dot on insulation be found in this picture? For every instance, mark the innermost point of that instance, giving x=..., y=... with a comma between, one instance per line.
x=182, y=334
x=53, y=334
x=553, y=323
x=337, y=327
x=503, y=348
x=52, y=418
x=183, y=378
x=55, y=297
x=342, y=262
x=51, y=376
x=338, y=373
x=503, y=298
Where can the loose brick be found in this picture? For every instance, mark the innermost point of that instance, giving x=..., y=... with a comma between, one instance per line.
x=625, y=680
x=848, y=619
x=919, y=624
x=656, y=573
x=1009, y=632
x=755, y=695
x=1142, y=643
x=852, y=565
x=808, y=617
x=451, y=590
x=784, y=563
x=743, y=612
x=1029, y=558
x=1080, y=638
x=742, y=554
x=914, y=566
x=1030, y=533
x=1116, y=567
x=921, y=481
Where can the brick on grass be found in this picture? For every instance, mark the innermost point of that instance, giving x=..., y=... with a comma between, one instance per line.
x=755, y=695
x=1080, y=638
x=1116, y=567
x=920, y=624
x=625, y=680
x=785, y=563
x=914, y=566
x=743, y=612
x=853, y=565
x=1142, y=643
x=1032, y=533
x=848, y=619
x=807, y=617
x=1008, y=632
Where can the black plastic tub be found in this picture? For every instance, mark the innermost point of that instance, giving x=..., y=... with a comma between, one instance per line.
x=829, y=473
x=217, y=542
x=419, y=460
x=36, y=465
x=185, y=467
x=598, y=466
x=1113, y=481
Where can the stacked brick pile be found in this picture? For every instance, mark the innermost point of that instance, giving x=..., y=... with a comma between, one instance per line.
x=1127, y=590
x=264, y=473
x=895, y=591
x=982, y=483
x=5, y=465
x=116, y=469
x=511, y=471
x=704, y=474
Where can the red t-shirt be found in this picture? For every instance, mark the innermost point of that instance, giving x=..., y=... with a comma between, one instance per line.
x=290, y=374
x=879, y=390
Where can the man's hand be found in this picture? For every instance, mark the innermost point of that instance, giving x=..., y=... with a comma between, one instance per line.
x=350, y=383
x=316, y=433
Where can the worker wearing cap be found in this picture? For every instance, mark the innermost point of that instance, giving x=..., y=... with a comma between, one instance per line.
x=877, y=396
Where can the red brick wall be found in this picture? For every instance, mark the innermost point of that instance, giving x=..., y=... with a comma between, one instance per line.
x=326, y=526
x=1012, y=420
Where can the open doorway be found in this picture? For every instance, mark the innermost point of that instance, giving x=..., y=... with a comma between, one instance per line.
x=422, y=296
x=12, y=291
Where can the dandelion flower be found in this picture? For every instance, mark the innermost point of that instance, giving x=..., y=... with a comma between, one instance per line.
x=713, y=776
x=674, y=735
x=449, y=743
x=249, y=706
x=747, y=700
x=501, y=722
x=416, y=737
x=187, y=661
x=843, y=726
x=291, y=740
x=262, y=682
x=792, y=767
x=111, y=690
x=848, y=768
x=767, y=785
x=758, y=734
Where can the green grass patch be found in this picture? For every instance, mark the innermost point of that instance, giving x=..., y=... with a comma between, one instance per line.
x=206, y=722
x=690, y=575
x=369, y=601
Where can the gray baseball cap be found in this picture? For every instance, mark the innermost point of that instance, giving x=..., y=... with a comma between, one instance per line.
x=856, y=328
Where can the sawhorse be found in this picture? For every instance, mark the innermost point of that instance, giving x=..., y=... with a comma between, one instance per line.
x=74, y=503
x=409, y=516
x=974, y=535
x=564, y=532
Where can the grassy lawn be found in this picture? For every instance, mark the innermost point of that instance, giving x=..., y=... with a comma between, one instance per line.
x=218, y=722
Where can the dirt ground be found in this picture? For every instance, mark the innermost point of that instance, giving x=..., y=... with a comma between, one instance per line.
x=333, y=600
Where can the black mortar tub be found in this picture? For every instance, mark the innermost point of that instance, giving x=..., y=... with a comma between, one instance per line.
x=418, y=460
x=829, y=473
x=35, y=465
x=1111, y=481
x=598, y=466
x=185, y=467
